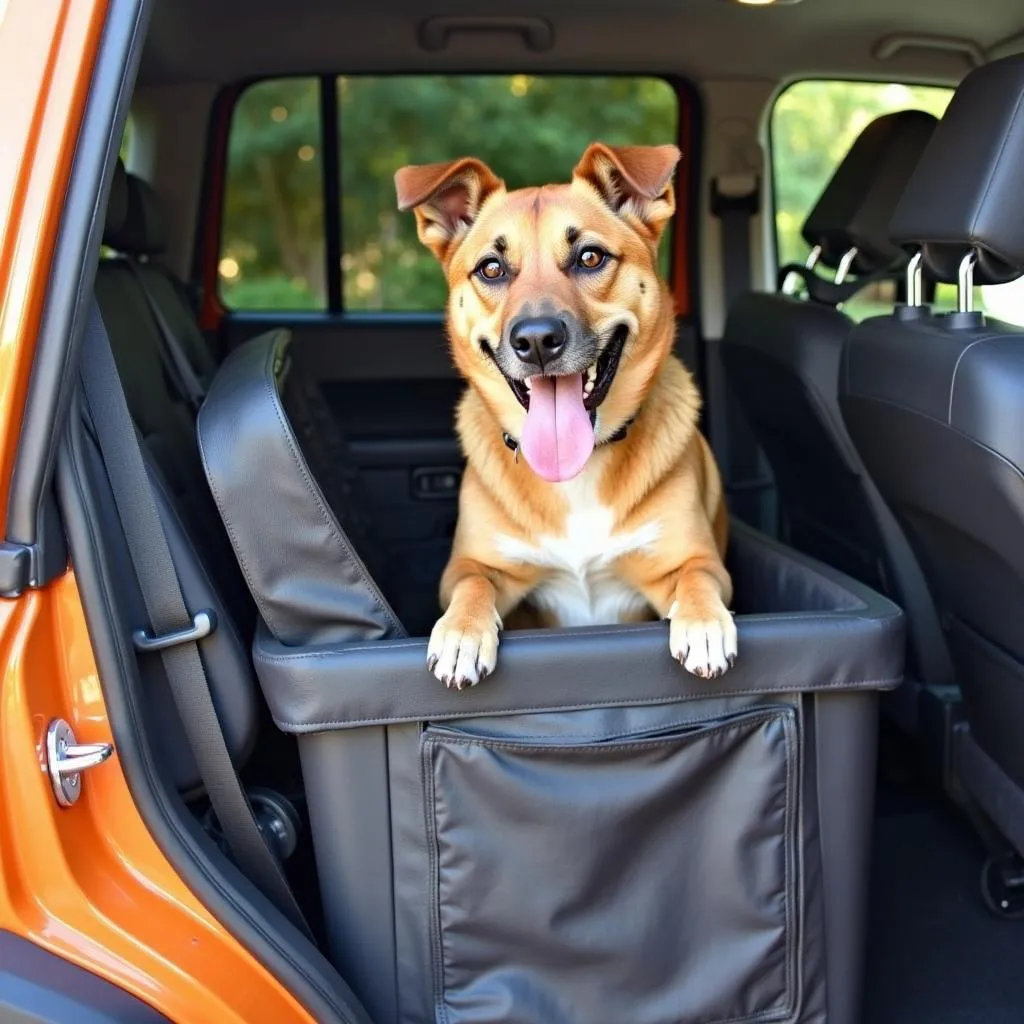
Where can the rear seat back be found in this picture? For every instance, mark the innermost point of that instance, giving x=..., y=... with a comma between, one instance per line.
x=202, y=554
x=782, y=356
x=933, y=401
x=141, y=239
x=165, y=422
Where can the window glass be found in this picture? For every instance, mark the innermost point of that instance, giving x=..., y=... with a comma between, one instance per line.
x=273, y=239
x=530, y=129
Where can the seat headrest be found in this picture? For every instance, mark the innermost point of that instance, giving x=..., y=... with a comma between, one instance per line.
x=307, y=580
x=117, y=204
x=855, y=209
x=141, y=231
x=966, y=191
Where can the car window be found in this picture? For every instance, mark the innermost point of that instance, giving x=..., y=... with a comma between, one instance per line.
x=813, y=125
x=275, y=239
x=272, y=236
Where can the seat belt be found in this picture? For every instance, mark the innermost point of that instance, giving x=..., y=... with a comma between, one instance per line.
x=734, y=213
x=174, y=632
x=735, y=210
x=172, y=350
x=735, y=207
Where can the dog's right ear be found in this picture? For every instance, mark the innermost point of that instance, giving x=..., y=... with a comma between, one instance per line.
x=446, y=199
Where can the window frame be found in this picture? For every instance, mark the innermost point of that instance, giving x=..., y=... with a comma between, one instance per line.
x=209, y=229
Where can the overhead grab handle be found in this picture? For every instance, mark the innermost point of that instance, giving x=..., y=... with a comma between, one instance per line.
x=889, y=46
x=536, y=33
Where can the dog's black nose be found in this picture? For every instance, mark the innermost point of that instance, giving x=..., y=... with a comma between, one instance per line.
x=536, y=340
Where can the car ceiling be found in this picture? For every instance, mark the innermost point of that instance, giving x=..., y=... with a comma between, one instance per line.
x=220, y=41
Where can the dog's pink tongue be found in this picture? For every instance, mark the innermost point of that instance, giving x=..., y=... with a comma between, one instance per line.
x=558, y=437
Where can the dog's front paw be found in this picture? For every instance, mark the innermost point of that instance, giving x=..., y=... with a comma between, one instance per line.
x=461, y=652
x=706, y=647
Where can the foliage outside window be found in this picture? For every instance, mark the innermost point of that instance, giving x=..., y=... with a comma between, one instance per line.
x=813, y=125
x=273, y=238
x=530, y=129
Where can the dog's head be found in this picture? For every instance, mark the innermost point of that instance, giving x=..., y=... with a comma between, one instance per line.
x=556, y=312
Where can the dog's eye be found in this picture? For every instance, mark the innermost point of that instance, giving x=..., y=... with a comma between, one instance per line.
x=490, y=269
x=591, y=258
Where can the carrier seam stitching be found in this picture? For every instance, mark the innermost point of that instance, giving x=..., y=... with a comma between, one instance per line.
x=406, y=644
x=866, y=684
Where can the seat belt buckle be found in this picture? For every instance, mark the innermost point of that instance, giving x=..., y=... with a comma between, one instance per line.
x=203, y=624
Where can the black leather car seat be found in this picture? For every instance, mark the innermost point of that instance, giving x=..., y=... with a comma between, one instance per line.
x=782, y=358
x=935, y=405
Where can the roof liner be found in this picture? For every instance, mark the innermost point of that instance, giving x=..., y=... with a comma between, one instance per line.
x=222, y=41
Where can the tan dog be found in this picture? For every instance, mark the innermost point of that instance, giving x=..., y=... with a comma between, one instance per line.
x=589, y=494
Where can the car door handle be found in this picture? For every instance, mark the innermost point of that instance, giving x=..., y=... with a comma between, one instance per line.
x=433, y=483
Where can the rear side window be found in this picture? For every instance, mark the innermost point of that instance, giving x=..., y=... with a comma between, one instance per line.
x=309, y=218
x=272, y=237
x=813, y=124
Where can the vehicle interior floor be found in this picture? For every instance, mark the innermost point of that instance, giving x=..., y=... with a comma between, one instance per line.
x=925, y=897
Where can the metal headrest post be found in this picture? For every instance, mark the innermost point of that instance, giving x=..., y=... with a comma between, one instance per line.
x=965, y=283
x=915, y=280
x=843, y=270
x=789, y=284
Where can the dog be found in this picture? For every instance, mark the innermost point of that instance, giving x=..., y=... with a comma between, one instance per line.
x=589, y=495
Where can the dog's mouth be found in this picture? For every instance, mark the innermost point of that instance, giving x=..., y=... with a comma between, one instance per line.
x=596, y=381
x=561, y=412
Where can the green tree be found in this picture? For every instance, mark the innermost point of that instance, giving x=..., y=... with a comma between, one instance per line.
x=530, y=130
x=273, y=235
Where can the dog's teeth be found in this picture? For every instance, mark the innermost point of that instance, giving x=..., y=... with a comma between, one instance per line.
x=529, y=383
x=591, y=374
x=588, y=388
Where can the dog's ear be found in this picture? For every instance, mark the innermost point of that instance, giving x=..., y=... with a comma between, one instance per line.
x=446, y=199
x=635, y=181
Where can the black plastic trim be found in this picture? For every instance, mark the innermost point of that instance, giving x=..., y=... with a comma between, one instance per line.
x=330, y=132
x=39, y=987
x=749, y=203
x=15, y=568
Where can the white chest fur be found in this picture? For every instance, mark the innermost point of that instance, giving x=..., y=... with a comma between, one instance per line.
x=581, y=586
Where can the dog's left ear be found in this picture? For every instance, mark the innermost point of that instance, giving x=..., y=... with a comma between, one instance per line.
x=635, y=181
x=446, y=199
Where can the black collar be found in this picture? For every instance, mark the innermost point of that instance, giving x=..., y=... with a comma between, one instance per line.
x=513, y=445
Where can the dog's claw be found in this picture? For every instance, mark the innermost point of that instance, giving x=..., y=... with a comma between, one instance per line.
x=459, y=655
